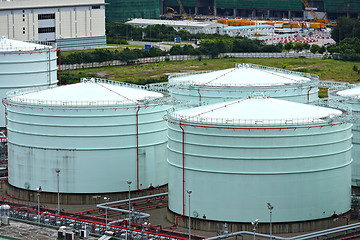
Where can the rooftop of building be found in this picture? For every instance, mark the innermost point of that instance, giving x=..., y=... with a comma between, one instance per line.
x=186, y=23
x=31, y=4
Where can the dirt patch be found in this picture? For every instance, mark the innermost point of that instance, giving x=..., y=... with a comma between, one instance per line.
x=302, y=67
x=103, y=74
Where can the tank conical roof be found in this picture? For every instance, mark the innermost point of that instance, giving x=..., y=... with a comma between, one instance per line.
x=352, y=92
x=258, y=109
x=88, y=91
x=243, y=75
x=10, y=45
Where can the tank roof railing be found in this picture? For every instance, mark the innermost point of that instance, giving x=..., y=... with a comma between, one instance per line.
x=8, y=48
x=157, y=87
x=279, y=70
x=337, y=85
x=340, y=87
x=112, y=82
x=312, y=78
x=346, y=116
x=17, y=96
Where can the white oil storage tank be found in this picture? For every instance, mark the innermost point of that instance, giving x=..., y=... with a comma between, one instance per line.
x=242, y=81
x=24, y=64
x=98, y=133
x=349, y=94
x=238, y=156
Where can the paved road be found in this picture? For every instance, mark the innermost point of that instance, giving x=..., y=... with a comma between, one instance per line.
x=165, y=46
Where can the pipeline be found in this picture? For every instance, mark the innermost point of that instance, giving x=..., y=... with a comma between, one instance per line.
x=300, y=237
x=161, y=189
x=308, y=93
x=94, y=223
x=339, y=216
x=199, y=96
x=137, y=152
x=351, y=237
x=119, y=205
x=137, y=146
x=59, y=53
x=141, y=215
x=183, y=180
x=183, y=167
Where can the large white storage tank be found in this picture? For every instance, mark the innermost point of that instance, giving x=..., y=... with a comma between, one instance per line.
x=98, y=133
x=350, y=95
x=24, y=65
x=242, y=81
x=237, y=156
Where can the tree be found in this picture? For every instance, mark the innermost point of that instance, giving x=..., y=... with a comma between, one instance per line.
x=288, y=46
x=322, y=49
x=306, y=46
x=298, y=47
x=314, y=48
x=271, y=48
x=346, y=28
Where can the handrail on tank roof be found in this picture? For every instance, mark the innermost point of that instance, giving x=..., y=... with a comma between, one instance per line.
x=13, y=97
x=6, y=46
x=313, y=79
x=340, y=86
x=345, y=117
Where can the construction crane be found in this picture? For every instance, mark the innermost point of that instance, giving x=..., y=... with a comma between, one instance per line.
x=319, y=20
x=183, y=10
x=170, y=8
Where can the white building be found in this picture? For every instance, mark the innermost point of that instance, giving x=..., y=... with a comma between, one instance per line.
x=248, y=31
x=71, y=24
x=192, y=27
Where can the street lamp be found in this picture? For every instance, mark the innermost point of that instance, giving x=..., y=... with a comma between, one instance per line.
x=107, y=200
x=270, y=207
x=255, y=223
x=189, y=192
x=58, y=188
x=38, y=195
x=129, y=183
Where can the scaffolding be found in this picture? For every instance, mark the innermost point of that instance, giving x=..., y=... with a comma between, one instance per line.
x=124, y=10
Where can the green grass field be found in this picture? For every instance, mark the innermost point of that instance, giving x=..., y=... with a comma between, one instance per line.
x=326, y=69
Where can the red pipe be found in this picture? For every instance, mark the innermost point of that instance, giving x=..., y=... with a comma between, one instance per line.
x=183, y=181
x=59, y=52
x=6, y=144
x=161, y=189
x=183, y=161
x=351, y=237
x=137, y=152
x=347, y=219
x=137, y=147
x=308, y=94
x=98, y=223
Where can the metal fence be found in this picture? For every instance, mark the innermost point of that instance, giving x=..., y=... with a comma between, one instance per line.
x=65, y=67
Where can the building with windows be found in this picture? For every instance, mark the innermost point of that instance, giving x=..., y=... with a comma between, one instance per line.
x=71, y=24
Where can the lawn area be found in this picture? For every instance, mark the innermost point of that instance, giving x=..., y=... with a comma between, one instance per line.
x=326, y=69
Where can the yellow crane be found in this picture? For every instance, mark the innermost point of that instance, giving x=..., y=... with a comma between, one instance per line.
x=183, y=10
x=319, y=20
